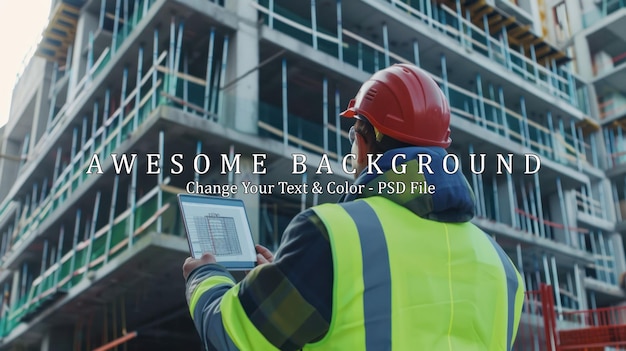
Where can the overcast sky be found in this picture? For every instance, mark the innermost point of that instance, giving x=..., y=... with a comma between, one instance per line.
x=21, y=24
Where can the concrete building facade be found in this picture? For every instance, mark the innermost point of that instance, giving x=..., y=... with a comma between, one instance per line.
x=130, y=102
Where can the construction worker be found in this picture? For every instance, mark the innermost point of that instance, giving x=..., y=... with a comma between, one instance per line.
x=376, y=271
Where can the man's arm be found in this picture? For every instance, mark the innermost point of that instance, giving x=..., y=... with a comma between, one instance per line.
x=284, y=304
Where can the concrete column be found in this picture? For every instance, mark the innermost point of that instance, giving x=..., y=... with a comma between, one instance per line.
x=8, y=166
x=556, y=216
x=42, y=108
x=240, y=111
x=583, y=58
x=86, y=23
x=609, y=204
x=251, y=201
x=618, y=254
x=15, y=287
x=504, y=201
x=574, y=16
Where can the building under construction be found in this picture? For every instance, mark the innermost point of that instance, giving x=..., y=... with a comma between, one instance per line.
x=91, y=251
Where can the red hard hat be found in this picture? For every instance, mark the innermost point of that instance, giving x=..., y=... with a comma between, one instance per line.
x=405, y=103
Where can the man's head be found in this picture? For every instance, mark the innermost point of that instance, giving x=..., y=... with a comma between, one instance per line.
x=398, y=106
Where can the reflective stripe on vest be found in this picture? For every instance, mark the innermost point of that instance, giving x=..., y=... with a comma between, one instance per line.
x=460, y=293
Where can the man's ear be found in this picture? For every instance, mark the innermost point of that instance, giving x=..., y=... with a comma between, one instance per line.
x=363, y=148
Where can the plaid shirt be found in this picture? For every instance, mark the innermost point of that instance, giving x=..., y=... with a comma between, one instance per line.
x=289, y=301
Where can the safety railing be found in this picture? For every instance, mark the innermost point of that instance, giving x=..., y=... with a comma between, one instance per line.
x=612, y=108
x=586, y=203
x=90, y=254
x=303, y=133
x=490, y=113
x=604, y=267
x=472, y=37
x=602, y=9
x=615, y=143
x=119, y=37
x=595, y=329
x=106, y=138
x=556, y=81
x=537, y=327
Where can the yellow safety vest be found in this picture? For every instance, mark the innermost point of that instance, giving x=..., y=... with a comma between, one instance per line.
x=402, y=282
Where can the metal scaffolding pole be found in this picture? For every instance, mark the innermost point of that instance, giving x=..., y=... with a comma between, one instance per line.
x=33, y=199
x=94, y=221
x=325, y=114
x=74, y=243
x=520, y=261
x=605, y=264
x=44, y=190
x=563, y=211
x=94, y=127
x=116, y=23
x=386, y=44
x=505, y=123
x=105, y=121
x=416, y=53
x=339, y=32
x=196, y=175
x=83, y=140
x=533, y=209
x=209, y=73
x=444, y=74
x=219, y=105
x=542, y=228
x=481, y=100
x=528, y=224
x=102, y=13
x=359, y=47
x=90, y=57
x=44, y=258
x=53, y=96
x=594, y=150
x=524, y=123
x=126, y=19
x=313, y=25
x=459, y=21
x=138, y=88
x=132, y=194
x=579, y=288
x=512, y=201
x=284, y=103
x=551, y=141
x=576, y=145
x=179, y=45
x=270, y=20
x=338, y=123
x=155, y=55
x=171, y=54
x=59, y=254
x=159, y=226
x=557, y=288
x=107, y=245
x=120, y=118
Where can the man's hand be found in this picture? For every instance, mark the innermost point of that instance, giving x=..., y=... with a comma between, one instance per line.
x=192, y=263
x=263, y=255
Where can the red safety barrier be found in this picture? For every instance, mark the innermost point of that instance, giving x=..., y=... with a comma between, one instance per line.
x=587, y=330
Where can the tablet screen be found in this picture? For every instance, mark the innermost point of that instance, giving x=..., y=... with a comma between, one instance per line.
x=219, y=226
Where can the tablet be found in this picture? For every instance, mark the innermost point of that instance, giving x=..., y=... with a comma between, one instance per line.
x=220, y=226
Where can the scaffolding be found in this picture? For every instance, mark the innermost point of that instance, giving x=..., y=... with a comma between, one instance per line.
x=165, y=80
